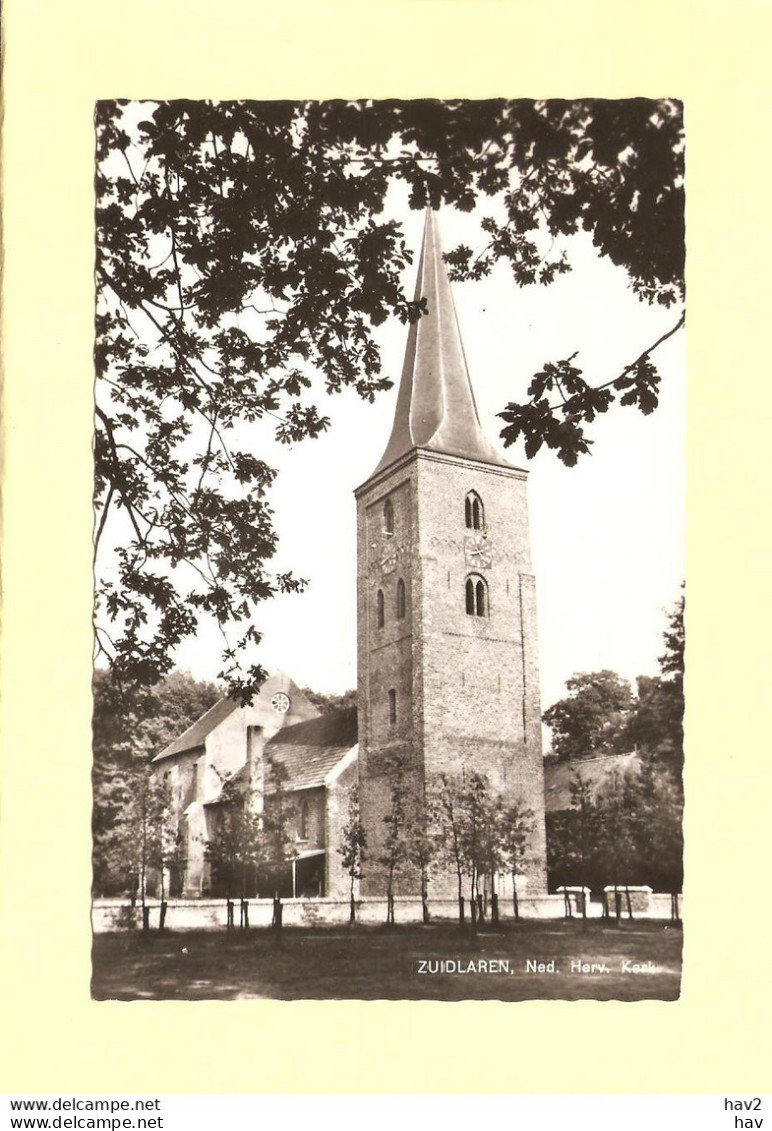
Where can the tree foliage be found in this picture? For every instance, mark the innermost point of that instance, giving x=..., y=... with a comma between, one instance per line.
x=326, y=703
x=601, y=715
x=516, y=830
x=235, y=847
x=480, y=833
x=589, y=721
x=126, y=736
x=656, y=725
x=625, y=831
x=394, y=856
x=279, y=844
x=245, y=254
x=129, y=852
x=627, y=828
x=250, y=842
x=353, y=846
x=573, y=838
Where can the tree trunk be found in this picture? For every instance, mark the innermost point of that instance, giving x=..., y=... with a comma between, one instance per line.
x=244, y=915
x=229, y=914
x=461, y=922
x=162, y=915
x=494, y=907
x=515, y=904
x=278, y=913
x=629, y=903
x=352, y=908
x=424, y=902
x=145, y=908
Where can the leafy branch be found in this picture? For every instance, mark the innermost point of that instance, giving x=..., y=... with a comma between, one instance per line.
x=538, y=422
x=246, y=270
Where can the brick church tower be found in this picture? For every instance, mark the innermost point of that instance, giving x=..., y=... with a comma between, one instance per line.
x=447, y=647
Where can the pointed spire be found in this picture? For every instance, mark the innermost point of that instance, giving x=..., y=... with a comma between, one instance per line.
x=435, y=406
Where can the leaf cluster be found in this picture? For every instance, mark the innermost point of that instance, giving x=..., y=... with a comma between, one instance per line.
x=127, y=734
x=353, y=846
x=480, y=831
x=245, y=256
x=601, y=714
x=628, y=830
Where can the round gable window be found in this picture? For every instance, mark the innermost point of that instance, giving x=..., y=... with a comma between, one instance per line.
x=280, y=702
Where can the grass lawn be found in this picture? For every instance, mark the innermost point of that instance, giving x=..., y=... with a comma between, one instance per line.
x=394, y=963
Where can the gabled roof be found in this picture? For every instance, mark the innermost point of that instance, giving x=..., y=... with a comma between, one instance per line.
x=436, y=408
x=196, y=733
x=259, y=712
x=558, y=776
x=308, y=751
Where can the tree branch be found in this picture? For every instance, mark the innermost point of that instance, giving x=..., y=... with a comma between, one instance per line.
x=103, y=519
x=628, y=368
x=119, y=474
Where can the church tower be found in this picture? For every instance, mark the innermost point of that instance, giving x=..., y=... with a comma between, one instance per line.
x=447, y=649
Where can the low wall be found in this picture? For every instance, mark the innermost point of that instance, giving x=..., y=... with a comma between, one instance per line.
x=211, y=914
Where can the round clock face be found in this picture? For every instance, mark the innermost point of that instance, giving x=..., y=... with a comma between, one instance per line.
x=478, y=550
x=388, y=561
x=280, y=702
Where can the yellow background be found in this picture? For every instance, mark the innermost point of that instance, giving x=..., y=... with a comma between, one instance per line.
x=58, y=58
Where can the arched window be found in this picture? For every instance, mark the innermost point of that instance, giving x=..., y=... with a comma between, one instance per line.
x=379, y=609
x=392, y=706
x=400, y=599
x=474, y=512
x=303, y=821
x=476, y=597
x=388, y=517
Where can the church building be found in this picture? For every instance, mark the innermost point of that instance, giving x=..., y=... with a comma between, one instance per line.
x=448, y=667
x=448, y=678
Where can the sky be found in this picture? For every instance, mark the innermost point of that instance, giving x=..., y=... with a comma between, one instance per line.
x=607, y=535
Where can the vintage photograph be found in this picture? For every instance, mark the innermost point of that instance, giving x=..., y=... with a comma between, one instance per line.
x=389, y=550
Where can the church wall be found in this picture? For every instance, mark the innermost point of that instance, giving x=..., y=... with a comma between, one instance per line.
x=471, y=683
x=315, y=837
x=183, y=773
x=227, y=747
x=479, y=675
x=338, y=790
x=386, y=655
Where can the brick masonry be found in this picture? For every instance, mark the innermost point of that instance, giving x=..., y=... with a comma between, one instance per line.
x=467, y=687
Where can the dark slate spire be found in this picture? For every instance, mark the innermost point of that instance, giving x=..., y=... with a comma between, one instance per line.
x=436, y=407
